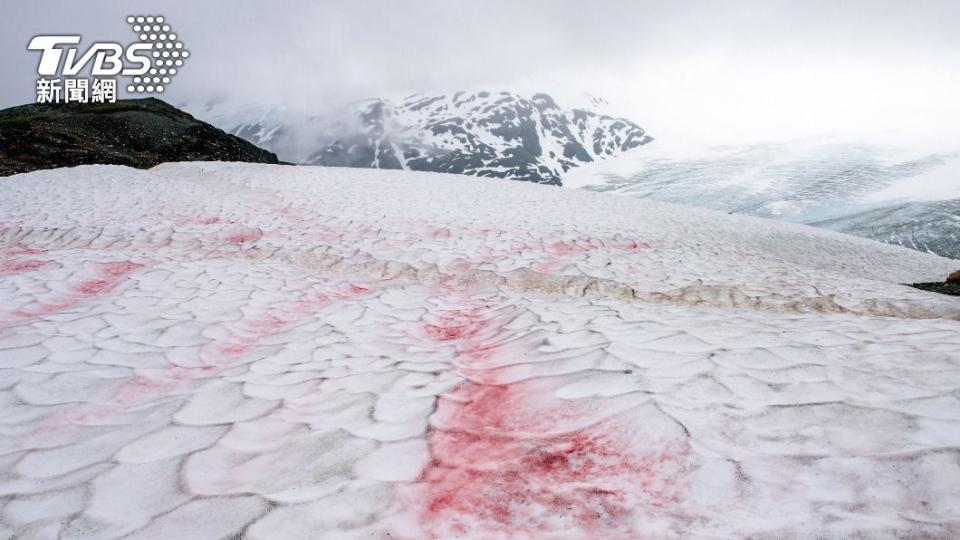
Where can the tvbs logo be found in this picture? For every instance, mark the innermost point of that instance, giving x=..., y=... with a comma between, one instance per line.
x=148, y=64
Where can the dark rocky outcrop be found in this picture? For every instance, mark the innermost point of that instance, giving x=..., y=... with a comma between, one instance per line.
x=951, y=286
x=137, y=132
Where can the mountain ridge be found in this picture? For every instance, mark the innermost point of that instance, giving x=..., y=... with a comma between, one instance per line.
x=491, y=134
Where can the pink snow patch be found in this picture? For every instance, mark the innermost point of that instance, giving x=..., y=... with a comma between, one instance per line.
x=111, y=274
x=244, y=235
x=632, y=244
x=142, y=389
x=566, y=248
x=546, y=267
x=12, y=266
x=22, y=250
x=248, y=333
x=441, y=233
x=513, y=460
x=180, y=373
x=203, y=220
x=461, y=266
x=138, y=390
x=591, y=244
x=106, y=277
x=456, y=325
x=17, y=267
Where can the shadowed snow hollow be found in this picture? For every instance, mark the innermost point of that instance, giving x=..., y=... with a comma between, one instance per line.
x=213, y=350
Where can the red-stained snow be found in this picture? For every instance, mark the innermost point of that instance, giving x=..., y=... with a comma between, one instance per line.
x=16, y=267
x=138, y=389
x=248, y=333
x=9, y=263
x=104, y=278
x=242, y=235
x=514, y=460
x=583, y=245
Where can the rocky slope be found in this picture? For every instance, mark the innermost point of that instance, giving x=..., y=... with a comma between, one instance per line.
x=138, y=133
x=492, y=134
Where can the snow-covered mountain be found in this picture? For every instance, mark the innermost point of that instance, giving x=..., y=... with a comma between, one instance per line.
x=878, y=191
x=226, y=350
x=493, y=134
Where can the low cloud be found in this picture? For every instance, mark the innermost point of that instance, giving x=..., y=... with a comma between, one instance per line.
x=694, y=68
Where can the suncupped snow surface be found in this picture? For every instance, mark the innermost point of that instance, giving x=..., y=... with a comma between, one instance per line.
x=225, y=350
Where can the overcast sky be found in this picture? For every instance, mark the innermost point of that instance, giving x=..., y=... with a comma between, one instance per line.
x=746, y=69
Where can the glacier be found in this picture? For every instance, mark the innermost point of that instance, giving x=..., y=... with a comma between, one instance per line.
x=261, y=351
x=886, y=191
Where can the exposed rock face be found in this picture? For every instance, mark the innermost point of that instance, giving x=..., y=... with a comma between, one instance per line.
x=137, y=132
x=493, y=134
x=951, y=286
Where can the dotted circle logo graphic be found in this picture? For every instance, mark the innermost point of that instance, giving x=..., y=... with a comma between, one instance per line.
x=168, y=53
